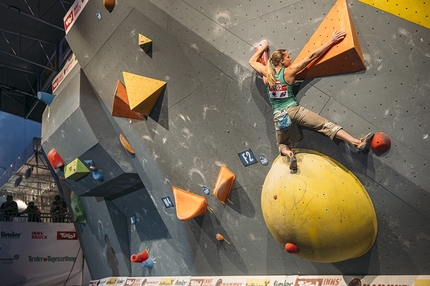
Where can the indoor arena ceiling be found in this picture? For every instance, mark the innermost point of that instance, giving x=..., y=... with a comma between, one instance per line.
x=32, y=50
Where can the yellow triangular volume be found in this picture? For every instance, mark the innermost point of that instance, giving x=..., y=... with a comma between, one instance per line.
x=344, y=57
x=144, y=42
x=415, y=11
x=142, y=92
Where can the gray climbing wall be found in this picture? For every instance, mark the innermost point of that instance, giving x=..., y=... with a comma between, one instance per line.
x=213, y=107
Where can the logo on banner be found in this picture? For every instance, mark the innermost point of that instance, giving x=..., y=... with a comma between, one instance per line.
x=129, y=282
x=38, y=235
x=319, y=281
x=67, y=235
x=52, y=259
x=308, y=282
x=257, y=282
x=166, y=282
x=10, y=235
x=280, y=283
x=181, y=282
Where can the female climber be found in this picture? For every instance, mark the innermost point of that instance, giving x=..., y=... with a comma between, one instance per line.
x=279, y=76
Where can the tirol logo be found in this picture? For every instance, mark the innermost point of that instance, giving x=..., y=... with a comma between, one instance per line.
x=69, y=20
x=10, y=235
x=181, y=282
x=67, y=235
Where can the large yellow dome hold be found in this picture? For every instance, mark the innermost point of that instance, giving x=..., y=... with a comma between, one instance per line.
x=322, y=213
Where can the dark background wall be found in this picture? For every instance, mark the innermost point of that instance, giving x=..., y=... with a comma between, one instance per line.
x=214, y=107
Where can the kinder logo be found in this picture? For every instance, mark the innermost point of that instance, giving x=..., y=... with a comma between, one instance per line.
x=67, y=235
x=10, y=235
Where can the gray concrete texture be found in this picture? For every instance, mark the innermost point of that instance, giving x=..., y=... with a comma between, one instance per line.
x=214, y=107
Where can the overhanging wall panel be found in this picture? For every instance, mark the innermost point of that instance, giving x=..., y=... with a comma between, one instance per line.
x=166, y=61
x=89, y=34
x=217, y=63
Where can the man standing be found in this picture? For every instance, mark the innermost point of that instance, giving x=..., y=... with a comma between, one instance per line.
x=9, y=209
x=58, y=209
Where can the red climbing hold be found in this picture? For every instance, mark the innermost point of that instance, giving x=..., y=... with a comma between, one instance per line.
x=380, y=143
x=291, y=248
x=55, y=159
x=140, y=257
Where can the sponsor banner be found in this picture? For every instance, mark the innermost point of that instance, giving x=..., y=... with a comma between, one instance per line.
x=73, y=14
x=35, y=250
x=67, y=235
x=58, y=79
x=382, y=280
x=323, y=280
x=401, y=280
x=242, y=281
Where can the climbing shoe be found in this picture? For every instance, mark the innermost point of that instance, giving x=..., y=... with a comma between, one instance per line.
x=364, y=144
x=293, y=164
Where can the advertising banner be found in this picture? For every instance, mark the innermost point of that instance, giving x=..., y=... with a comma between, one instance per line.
x=290, y=280
x=73, y=14
x=39, y=254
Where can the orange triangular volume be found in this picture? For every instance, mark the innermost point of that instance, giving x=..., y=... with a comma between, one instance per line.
x=223, y=184
x=142, y=92
x=344, y=57
x=120, y=106
x=188, y=205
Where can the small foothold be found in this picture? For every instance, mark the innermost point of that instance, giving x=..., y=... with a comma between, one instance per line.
x=149, y=263
x=220, y=237
x=205, y=190
x=275, y=197
x=263, y=159
x=91, y=164
x=97, y=176
x=291, y=248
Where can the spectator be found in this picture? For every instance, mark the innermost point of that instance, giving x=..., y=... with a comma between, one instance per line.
x=9, y=209
x=33, y=212
x=58, y=209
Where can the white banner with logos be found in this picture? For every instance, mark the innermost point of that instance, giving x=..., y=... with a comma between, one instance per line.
x=73, y=13
x=291, y=280
x=34, y=253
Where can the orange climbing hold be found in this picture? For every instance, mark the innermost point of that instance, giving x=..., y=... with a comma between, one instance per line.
x=291, y=248
x=125, y=144
x=188, y=205
x=121, y=107
x=380, y=143
x=224, y=184
x=220, y=237
x=344, y=57
x=109, y=5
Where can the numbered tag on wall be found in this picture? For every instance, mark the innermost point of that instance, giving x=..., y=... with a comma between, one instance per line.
x=247, y=157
